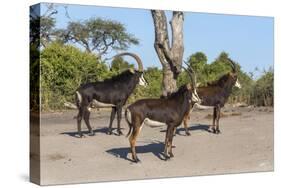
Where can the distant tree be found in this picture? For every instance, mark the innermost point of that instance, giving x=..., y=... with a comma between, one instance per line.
x=263, y=92
x=98, y=35
x=42, y=25
x=119, y=64
x=218, y=67
x=244, y=93
x=40, y=28
x=47, y=25
x=198, y=61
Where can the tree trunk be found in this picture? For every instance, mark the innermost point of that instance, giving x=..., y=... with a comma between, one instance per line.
x=170, y=55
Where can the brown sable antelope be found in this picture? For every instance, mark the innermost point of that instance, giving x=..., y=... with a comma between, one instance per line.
x=164, y=111
x=112, y=92
x=215, y=95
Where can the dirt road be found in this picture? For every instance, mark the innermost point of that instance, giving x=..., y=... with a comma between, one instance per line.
x=245, y=145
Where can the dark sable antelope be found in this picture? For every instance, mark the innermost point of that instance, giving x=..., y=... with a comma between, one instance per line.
x=215, y=95
x=169, y=111
x=112, y=92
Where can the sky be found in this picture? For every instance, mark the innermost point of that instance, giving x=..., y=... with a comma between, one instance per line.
x=249, y=40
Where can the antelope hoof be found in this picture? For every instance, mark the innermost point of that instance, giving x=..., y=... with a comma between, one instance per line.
x=82, y=136
x=109, y=132
x=120, y=133
x=91, y=133
x=187, y=133
x=171, y=155
x=136, y=160
x=167, y=157
x=212, y=131
x=218, y=131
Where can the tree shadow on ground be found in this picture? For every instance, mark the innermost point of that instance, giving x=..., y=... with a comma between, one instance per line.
x=156, y=148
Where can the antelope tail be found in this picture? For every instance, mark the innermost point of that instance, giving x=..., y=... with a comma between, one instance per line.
x=78, y=99
x=129, y=121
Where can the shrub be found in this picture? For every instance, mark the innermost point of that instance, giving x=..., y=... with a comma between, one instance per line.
x=62, y=69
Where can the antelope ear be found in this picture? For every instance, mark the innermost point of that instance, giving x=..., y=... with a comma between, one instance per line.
x=132, y=70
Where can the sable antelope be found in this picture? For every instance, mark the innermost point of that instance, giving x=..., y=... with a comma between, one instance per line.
x=112, y=92
x=169, y=111
x=215, y=95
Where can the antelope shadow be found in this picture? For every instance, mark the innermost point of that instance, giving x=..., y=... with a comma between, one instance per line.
x=99, y=130
x=156, y=148
x=195, y=127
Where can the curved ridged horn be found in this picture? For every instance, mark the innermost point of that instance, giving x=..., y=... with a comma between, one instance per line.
x=233, y=65
x=139, y=62
x=191, y=74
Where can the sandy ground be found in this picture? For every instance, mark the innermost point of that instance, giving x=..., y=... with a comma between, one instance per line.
x=245, y=145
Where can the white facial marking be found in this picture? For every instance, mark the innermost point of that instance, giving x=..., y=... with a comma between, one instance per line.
x=142, y=81
x=237, y=84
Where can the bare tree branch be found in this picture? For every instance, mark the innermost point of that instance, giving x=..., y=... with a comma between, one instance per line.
x=161, y=44
x=177, y=39
x=169, y=56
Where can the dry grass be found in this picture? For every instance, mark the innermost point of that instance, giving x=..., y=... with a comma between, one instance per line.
x=56, y=156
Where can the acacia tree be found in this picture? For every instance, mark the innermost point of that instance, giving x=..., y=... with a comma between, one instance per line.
x=97, y=35
x=170, y=53
x=42, y=25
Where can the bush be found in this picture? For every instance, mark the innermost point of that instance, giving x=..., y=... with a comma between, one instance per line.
x=263, y=90
x=153, y=76
x=63, y=68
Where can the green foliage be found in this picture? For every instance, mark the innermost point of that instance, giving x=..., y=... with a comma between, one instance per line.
x=244, y=93
x=198, y=61
x=183, y=78
x=218, y=68
x=63, y=69
x=205, y=72
x=97, y=35
x=154, y=77
x=34, y=77
x=47, y=25
x=118, y=65
x=42, y=25
x=258, y=92
x=263, y=91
